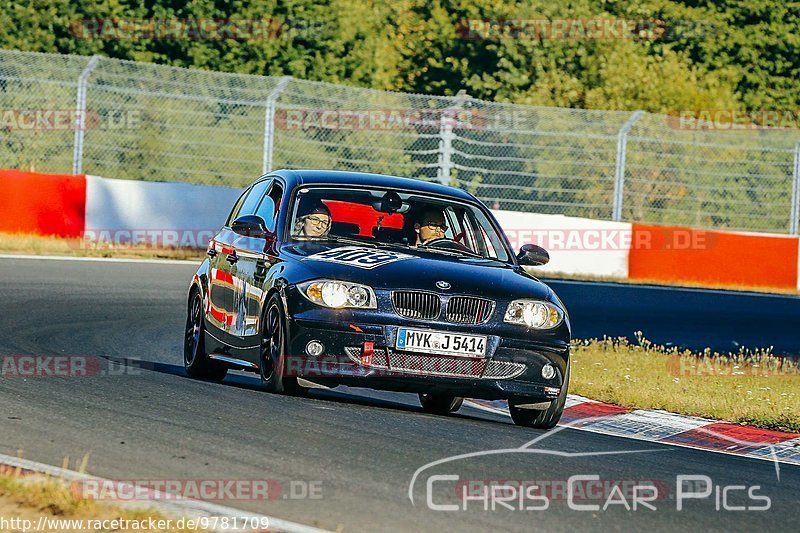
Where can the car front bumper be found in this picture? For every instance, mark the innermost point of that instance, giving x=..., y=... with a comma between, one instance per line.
x=359, y=350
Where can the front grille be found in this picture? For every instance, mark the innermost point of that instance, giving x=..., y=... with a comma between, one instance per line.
x=378, y=357
x=415, y=304
x=503, y=370
x=469, y=310
x=436, y=365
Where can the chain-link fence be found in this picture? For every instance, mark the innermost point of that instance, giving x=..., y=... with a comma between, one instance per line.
x=143, y=121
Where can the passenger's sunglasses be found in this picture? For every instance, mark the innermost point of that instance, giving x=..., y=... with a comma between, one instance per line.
x=441, y=225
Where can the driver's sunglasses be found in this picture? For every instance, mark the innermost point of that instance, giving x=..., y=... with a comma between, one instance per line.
x=320, y=222
x=441, y=225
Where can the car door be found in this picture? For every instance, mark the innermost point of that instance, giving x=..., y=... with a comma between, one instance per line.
x=255, y=257
x=220, y=283
x=224, y=287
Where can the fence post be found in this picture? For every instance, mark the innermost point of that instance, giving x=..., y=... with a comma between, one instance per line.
x=269, y=123
x=619, y=176
x=446, y=137
x=80, y=115
x=795, y=210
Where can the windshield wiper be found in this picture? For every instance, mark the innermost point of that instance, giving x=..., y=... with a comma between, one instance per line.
x=469, y=253
x=417, y=247
x=454, y=253
x=346, y=240
x=398, y=245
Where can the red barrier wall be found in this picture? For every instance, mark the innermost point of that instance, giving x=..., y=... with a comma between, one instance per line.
x=46, y=204
x=662, y=253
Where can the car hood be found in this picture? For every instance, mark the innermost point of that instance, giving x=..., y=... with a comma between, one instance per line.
x=398, y=268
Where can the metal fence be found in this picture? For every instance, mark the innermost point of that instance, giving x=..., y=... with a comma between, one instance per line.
x=143, y=121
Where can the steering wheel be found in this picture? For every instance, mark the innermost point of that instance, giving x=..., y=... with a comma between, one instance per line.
x=444, y=243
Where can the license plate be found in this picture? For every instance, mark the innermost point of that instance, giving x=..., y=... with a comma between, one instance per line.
x=441, y=343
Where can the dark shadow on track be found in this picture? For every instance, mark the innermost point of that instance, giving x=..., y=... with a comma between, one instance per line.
x=243, y=381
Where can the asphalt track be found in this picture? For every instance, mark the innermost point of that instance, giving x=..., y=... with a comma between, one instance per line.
x=364, y=447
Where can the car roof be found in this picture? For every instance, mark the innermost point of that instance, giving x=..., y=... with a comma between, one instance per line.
x=340, y=177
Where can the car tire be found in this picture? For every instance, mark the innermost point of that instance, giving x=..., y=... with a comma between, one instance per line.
x=440, y=404
x=195, y=358
x=540, y=418
x=272, y=361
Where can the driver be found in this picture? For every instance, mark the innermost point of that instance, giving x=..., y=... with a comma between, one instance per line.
x=430, y=226
x=313, y=221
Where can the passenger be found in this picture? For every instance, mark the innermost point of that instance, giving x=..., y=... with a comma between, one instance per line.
x=313, y=221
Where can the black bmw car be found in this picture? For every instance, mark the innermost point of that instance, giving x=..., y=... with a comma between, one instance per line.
x=344, y=278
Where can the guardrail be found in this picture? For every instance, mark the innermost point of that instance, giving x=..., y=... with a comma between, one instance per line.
x=683, y=317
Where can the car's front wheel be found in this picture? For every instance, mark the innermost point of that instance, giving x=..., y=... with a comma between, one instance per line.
x=273, y=350
x=195, y=358
x=440, y=404
x=540, y=418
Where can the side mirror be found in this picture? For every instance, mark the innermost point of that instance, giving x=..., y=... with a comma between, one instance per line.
x=250, y=226
x=532, y=255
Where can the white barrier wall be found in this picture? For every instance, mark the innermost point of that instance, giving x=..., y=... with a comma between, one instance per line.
x=178, y=214
x=576, y=245
x=181, y=214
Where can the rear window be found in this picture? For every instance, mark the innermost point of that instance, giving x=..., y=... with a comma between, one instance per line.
x=361, y=220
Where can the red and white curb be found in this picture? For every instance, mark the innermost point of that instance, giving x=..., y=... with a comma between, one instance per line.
x=670, y=428
x=170, y=506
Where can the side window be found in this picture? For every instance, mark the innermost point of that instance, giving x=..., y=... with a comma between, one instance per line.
x=489, y=246
x=469, y=233
x=477, y=240
x=458, y=230
x=276, y=193
x=254, y=198
x=453, y=227
x=268, y=208
x=236, y=208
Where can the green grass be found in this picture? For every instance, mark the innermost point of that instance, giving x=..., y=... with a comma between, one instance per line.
x=12, y=243
x=30, y=497
x=749, y=387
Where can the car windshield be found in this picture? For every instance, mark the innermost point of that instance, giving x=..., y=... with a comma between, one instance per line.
x=377, y=217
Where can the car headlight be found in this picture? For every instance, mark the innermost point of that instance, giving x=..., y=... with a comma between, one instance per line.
x=339, y=294
x=535, y=314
